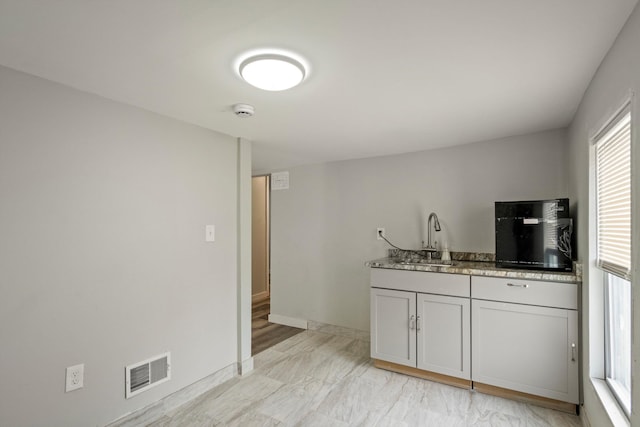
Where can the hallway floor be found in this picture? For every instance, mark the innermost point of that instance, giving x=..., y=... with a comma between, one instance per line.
x=263, y=333
x=320, y=379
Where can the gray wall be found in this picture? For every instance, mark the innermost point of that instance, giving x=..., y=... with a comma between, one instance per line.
x=102, y=252
x=324, y=227
x=617, y=77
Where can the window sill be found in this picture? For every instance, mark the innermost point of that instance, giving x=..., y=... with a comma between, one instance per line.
x=614, y=411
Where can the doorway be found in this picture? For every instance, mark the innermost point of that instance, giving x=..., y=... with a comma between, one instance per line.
x=263, y=333
x=260, y=286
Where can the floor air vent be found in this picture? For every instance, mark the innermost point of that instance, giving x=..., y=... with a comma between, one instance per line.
x=143, y=375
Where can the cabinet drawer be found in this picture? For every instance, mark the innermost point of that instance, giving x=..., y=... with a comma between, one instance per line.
x=421, y=281
x=548, y=294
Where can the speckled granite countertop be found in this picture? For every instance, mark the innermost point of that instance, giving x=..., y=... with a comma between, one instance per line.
x=475, y=265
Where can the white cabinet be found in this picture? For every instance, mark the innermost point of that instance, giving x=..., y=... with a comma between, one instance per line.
x=524, y=347
x=393, y=316
x=487, y=332
x=426, y=331
x=444, y=335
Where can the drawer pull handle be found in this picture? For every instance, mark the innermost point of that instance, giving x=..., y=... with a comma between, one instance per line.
x=573, y=352
x=518, y=285
x=412, y=322
x=418, y=324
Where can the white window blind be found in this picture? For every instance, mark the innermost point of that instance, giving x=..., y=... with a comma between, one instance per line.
x=613, y=175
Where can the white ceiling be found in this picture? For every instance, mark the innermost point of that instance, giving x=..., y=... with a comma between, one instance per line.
x=386, y=76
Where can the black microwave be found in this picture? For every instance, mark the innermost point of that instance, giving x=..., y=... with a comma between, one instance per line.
x=534, y=235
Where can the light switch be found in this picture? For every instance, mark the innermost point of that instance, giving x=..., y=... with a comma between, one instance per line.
x=210, y=233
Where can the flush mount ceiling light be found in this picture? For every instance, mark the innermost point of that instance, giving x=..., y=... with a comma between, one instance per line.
x=272, y=72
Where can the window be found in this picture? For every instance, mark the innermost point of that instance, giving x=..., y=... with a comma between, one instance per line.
x=613, y=211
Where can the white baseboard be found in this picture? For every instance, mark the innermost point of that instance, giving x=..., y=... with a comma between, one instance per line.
x=245, y=366
x=343, y=331
x=160, y=408
x=288, y=321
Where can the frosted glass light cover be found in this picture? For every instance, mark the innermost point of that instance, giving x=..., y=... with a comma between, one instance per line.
x=272, y=72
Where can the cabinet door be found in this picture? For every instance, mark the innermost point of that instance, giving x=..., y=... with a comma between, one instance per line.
x=444, y=335
x=393, y=336
x=526, y=348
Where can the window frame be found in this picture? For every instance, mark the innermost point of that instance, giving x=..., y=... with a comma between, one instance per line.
x=621, y=394
x=618, y=392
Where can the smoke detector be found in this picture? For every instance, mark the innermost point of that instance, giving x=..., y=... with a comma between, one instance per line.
x=243, y=110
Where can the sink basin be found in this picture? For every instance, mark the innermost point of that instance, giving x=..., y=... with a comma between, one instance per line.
x=431, y=262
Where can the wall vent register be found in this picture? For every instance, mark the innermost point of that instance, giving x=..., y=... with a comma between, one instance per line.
x=143, y=375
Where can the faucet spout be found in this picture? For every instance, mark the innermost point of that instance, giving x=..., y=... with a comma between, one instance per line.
x=436, y=226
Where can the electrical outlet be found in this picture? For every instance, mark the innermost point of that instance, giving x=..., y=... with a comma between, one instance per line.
x=380, y=233
x=75, y=377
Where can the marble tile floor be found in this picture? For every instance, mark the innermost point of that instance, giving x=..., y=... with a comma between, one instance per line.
x=320, y=379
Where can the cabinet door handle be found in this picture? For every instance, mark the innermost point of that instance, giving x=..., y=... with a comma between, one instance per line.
x=518, y=285
x=418, y=323
x=412, y=322
x=573, y=352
